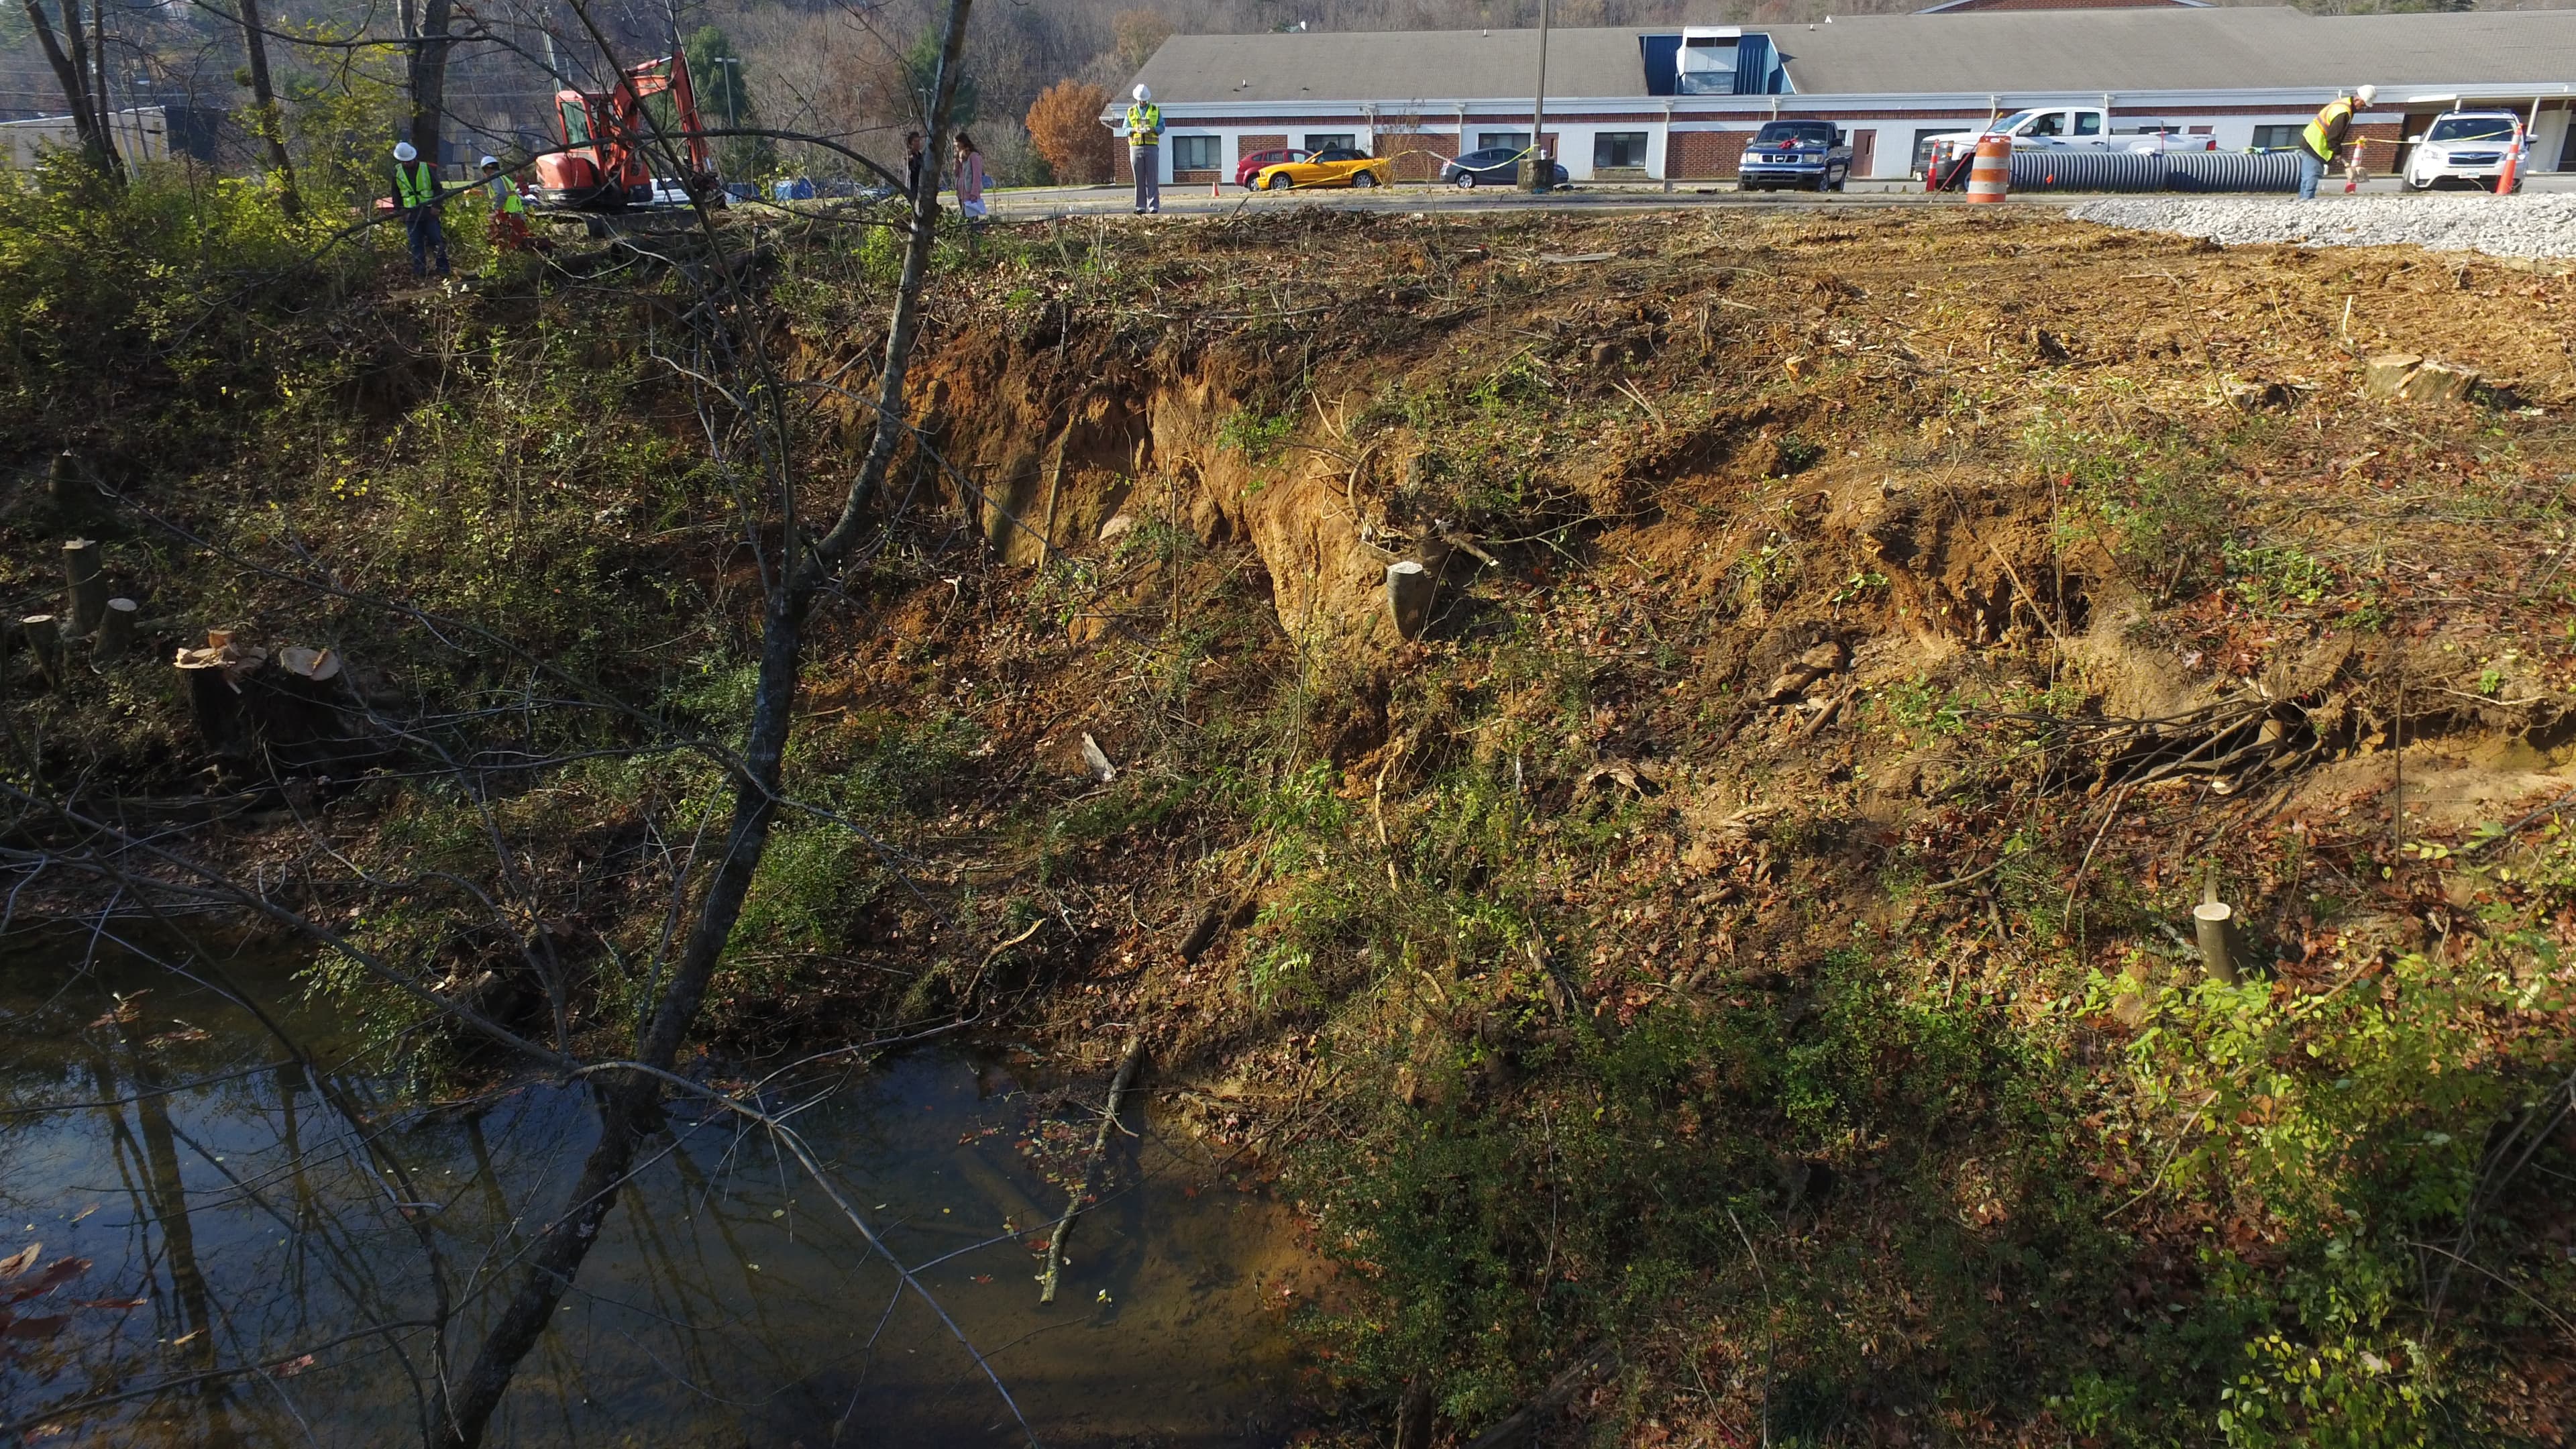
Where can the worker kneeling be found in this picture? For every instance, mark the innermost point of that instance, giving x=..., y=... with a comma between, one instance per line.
x=510, y=232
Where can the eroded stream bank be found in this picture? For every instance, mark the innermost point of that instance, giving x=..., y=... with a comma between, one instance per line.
x=283, y=1233
x=1733, y=946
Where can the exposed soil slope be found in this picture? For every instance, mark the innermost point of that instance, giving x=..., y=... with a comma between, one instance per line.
x=1726, y=978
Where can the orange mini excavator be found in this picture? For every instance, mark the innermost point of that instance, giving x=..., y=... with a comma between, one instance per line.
x=603, y=165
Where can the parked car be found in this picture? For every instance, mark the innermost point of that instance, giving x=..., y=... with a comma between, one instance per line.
x=1493, y=166
x=1250, y=166
x=1332, y=166
x=2466, y=148
x=1801, y=155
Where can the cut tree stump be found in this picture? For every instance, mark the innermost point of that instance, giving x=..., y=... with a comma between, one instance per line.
x=2406, y=377
x=88, y=587
x=116, y=630
x=286, y=713
x=1414, y=1415
x=2209, y=922
x=2383, y=374
x=1409, y=588
x=68, y=489
x=210, y=677
x=2439, y=382
x=44, y=636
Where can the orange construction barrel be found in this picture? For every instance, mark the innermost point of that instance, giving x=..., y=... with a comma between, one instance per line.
x=1990, y=175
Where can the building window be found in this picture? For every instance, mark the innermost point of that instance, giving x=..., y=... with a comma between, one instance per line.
x=1502, y=140
x=1706, y=66
x=1614, y=150
x=2276, y=138
x=1195, y=153
x=1320, y=140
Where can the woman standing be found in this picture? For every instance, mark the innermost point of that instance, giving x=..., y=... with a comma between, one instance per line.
x=970, y=188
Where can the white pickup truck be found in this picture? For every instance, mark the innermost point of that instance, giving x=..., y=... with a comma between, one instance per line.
x=2045, y=128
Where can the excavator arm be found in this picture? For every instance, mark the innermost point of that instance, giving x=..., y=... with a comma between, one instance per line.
x=603, y=165
x=667, y=76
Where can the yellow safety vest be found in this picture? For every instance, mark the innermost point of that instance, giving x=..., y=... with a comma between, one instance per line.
x=416, y=184
x=1144, y=124
x=2320, y=136
x=504, y=195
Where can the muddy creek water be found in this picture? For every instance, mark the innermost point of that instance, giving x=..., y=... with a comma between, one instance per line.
x=268, y=1247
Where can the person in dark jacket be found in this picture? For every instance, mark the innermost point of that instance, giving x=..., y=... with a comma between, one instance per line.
x=911, y=165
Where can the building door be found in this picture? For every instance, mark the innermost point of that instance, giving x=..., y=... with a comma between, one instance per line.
x=1864, y=146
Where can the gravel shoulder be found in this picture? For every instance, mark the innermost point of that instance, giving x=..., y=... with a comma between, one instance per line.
x=2517, y=226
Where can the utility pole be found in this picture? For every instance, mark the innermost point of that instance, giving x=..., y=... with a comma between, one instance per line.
x=1537, y=169
x=732, y=78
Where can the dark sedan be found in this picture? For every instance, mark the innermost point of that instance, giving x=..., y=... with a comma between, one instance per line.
x=1805, y=155
x=1493, y=166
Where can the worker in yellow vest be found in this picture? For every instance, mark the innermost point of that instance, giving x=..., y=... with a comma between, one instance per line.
x=2325, y=136
x=1145, y=150
x=416, y=193
x=509, y=212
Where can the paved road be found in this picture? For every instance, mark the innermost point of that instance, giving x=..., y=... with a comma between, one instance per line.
x=1039, y=203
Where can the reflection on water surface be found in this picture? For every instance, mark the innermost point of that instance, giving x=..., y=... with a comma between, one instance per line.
x=239, y=1211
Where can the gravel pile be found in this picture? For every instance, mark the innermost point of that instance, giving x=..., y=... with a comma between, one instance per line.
x=2517, y=226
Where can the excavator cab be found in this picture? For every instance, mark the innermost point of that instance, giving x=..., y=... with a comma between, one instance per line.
x=603, y=165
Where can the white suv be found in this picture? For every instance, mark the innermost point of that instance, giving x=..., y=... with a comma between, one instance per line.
x=2467, y=148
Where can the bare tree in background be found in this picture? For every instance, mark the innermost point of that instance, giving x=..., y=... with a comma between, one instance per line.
x=267, y=119
x=425, y=25
x=70, y=55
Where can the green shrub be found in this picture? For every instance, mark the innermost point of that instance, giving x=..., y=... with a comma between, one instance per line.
x=1258, y=436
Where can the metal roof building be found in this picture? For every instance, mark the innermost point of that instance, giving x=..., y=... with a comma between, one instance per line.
x=1618, y=108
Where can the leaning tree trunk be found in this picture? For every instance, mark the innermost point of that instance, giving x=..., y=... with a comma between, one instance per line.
x=630, y=1101
x=429, y=76
x=263, y=94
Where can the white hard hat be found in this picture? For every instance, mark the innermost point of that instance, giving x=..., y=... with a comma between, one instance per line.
x=489, y=162
x=404, y=152
x=2366, y=94
x=1144, y=94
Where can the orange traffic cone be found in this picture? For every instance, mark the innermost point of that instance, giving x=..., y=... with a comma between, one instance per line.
x=1214, y=189
x=2512, y=159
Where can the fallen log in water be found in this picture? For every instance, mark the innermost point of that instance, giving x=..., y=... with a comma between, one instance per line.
x=1127, y=1063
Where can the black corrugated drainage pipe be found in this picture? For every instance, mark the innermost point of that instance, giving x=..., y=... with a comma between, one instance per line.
x=2179, y=171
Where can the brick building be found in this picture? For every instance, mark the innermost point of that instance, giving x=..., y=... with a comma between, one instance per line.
x=1663, y=104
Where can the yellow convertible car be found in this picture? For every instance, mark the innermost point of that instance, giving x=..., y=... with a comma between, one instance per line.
x=1332, y=166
